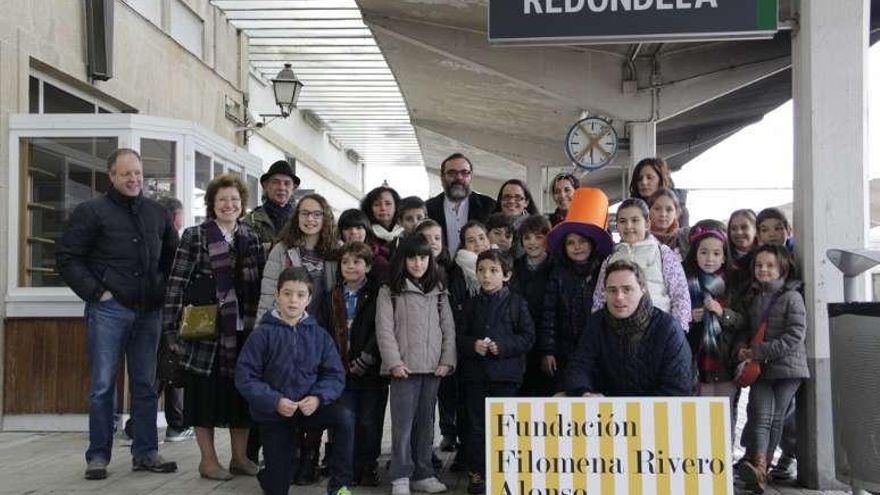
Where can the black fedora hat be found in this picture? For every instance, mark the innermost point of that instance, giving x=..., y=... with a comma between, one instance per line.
x=280, y=167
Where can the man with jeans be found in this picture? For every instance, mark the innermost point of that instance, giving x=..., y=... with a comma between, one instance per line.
x=115, y=253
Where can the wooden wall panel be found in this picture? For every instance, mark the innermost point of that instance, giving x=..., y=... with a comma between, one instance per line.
x=46, y=367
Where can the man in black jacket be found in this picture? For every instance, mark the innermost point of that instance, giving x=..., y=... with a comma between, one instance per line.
x=115, y=253
x=457, y=204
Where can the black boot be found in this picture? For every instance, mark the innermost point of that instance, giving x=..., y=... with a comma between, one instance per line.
x=307, y=474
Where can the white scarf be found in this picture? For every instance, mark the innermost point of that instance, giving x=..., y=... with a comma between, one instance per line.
x=467, y=261
x=383, y=233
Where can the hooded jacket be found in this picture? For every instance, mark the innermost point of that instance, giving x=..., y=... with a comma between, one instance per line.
x=415, y=329
x=281, y=360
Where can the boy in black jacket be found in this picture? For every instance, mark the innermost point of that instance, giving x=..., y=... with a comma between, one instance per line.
x=530, y=275
x=350, y=317
x=496, y=333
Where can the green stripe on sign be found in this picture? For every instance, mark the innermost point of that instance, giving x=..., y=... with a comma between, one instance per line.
x=767, y=14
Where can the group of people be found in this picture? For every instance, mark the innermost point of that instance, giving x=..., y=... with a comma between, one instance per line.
x=319, y=323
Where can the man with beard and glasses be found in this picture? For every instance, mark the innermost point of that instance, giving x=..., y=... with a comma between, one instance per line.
x=452, y=209
x=457, y=204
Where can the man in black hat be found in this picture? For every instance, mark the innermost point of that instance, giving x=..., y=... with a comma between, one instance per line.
x=266, y=220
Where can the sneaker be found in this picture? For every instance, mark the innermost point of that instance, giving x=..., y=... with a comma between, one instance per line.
x=156, y=464
x=400, y=486
x=476, y=483
x=96, y=470
x=448, y=444
x=175, y=435
x=785, y=469
x=428, y=485
x=342, y=490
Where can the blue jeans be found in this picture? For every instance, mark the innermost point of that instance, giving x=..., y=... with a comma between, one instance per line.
x=277, y=438
x=367, y=403
x=114, y=330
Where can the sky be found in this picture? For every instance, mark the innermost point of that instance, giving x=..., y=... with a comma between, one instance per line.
x=720, y=180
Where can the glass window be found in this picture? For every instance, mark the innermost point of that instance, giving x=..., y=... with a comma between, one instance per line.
x=158, y=157
x=253, y=184
x=218, y=168
x=60, y=173
x=33, y=95
x=203, y=177
x=187, y=28
x=57, y=100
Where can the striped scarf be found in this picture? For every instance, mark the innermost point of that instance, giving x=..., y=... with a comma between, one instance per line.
x=702, y=286
x=225, y=274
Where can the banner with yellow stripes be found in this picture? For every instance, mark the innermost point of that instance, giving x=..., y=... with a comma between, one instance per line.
x=608, y=446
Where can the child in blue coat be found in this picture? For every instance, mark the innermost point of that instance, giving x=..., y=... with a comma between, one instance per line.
x=290, y=373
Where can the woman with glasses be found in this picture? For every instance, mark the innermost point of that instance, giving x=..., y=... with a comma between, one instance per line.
x=515, y=201
x=217, y=262
x=563, y=187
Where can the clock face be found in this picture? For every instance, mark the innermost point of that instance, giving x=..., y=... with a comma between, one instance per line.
x=591, y=143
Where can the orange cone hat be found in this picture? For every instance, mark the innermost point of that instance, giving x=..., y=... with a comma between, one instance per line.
x=587, y=217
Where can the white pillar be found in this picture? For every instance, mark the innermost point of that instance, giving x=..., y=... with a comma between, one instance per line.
x=535, y=181
x=642, y=144
x=829, y=56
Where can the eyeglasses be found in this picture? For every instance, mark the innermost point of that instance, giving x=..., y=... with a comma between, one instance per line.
x=507, y=198
x=451, y=174
x=314, y=215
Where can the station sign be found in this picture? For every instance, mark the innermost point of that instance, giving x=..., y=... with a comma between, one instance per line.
x=603, y=445
x=629, y=21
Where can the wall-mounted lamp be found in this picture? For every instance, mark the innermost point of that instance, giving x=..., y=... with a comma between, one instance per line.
x=287, y=89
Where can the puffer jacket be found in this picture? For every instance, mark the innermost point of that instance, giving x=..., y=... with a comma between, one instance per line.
x=503, y=317
x=603, y=363
x=567, y=301
x=281, y=360
x=120, y=244
x=783, y=354
x=414, y=329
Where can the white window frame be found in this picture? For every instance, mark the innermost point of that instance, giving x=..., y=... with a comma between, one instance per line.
x=43, y=78
x=128, y=129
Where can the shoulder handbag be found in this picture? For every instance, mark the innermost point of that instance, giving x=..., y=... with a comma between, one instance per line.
x=199, y=318
x=749, y=370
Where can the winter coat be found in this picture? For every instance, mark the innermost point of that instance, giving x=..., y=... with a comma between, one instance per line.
x=566, y=309
x=120, y=244
x=480, y=207
x=415, y=329
x=281, y=257
x=734, y=334
x=602, y=363
x=504, y=318
x=359, y=341
x=673, y=279
x=280, y=360
x=192, y=275
x=783, y=354
x=260, y=222
x=532, y=285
